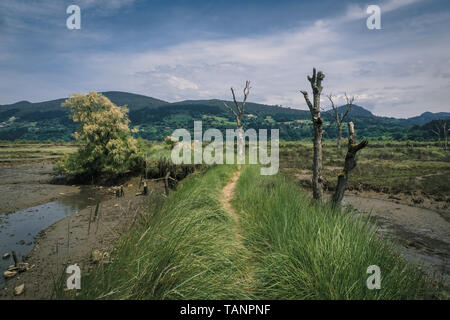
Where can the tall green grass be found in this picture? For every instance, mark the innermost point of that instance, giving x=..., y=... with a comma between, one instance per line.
x=307, y=251
x=186, y=248
x=183, y=248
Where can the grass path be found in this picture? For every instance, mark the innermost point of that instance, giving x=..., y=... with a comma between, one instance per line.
x=226, y=199
x=227, y=196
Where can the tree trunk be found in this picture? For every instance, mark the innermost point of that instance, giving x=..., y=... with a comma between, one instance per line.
x=240, y=139
x=445, y=141
x=339, y=137
x=317, y=161
x=349, y=165
x=314, y=108
x=166, y=183
x=238, y=112
x=444, y=126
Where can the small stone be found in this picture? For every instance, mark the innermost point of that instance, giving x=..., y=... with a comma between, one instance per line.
x=6, y=256
x=105, y=255
x=23, y=266
x=10, y=274
x=12, y=268
x=19, y=289
x=96, y=256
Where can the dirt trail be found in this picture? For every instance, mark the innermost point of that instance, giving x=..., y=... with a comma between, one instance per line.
x=227, y=197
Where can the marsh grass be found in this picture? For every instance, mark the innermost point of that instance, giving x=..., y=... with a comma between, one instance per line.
x=307, y=251
x=183, y=248
x=15, y=151
x=383, y=167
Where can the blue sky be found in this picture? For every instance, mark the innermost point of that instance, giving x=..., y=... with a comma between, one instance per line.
x=178, y=50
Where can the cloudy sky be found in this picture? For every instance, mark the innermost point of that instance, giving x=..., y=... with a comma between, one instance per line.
x=178, y=50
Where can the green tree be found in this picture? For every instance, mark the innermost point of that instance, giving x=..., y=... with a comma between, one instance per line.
x=106, y=144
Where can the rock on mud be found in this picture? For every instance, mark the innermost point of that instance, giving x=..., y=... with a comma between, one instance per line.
x=19, y=289
x=97, y=256
x=9, y=274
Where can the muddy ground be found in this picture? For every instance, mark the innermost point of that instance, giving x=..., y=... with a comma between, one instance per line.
x=74, y=239
x=419, y=229
x=27, y=184
x=421, y=235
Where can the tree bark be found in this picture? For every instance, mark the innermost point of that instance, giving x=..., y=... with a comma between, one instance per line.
x=166, y=183
x=317, y=163
x=240, y=137
x=316, y=86
x=444, y=127
x=349, y=165
x=339, y=136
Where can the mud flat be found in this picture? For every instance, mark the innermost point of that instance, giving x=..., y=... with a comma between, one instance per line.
x=78, y=239
x=421, y=235
x=27, y=184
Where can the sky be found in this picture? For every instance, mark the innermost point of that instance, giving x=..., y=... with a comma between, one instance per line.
x=186, y=50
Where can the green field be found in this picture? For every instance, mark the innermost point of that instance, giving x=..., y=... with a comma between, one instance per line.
x=390, y=167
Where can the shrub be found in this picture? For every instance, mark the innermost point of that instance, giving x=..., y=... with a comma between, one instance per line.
x=107, y=146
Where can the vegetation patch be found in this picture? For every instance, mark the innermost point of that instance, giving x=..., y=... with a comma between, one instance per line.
x=310, y=251
x=183, y=248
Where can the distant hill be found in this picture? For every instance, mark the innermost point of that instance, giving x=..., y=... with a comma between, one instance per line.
x=355, y=112
x=427, y=117
x=132, y=100
x=155, y=119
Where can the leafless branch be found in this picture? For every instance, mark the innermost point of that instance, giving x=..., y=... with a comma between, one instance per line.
x=308, y=102
x=238, y=111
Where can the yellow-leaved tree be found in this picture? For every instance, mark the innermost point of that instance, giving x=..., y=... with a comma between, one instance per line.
x=106, y=144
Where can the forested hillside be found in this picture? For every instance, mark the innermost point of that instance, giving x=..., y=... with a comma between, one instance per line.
x=155, y=119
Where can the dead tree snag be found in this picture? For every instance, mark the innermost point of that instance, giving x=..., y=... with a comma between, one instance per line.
x=340, y=117
x=349, y=165
x=238, y=112
x=314, y=108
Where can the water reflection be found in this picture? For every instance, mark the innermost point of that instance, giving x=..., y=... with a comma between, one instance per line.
x=19, y=229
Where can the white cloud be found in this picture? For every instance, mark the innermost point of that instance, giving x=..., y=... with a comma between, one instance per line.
x=278, y=64
x=390, y=73
x=180, y=83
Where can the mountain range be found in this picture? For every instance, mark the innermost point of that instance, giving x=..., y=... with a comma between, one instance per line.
x=155, y=119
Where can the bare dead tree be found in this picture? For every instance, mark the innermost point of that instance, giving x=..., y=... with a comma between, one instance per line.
x=314, y=108
x=437, y=131
x=441, y=126
x=340, y=116
x=349, y=165
x=445, y=130
x=238, y=112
